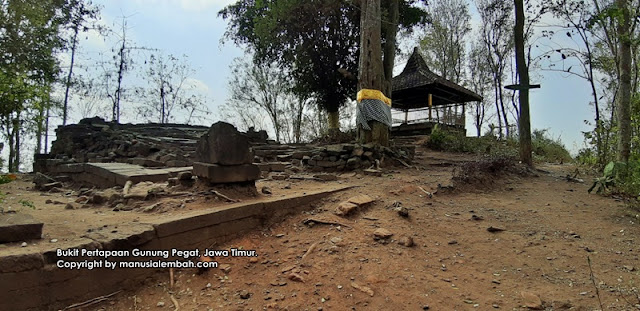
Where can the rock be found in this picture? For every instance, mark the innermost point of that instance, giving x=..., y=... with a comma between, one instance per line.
x=151, y=208
x=372, y=172
x=184, y=176
x=160, y=304
x=172, y=181
x=357, y=152
x=531, y=300
x=224, y=145
x=98, y=198
x=476, y=217
x=24, y=244
x=245, y=294
x=344, y=208
x=406, y=241
x=280, y=176
x=266, y=190
x=226, y=268
x=403, y=212
x=49, y=186
x=69, y=206
x=82, y=200
x=382, y=233
x=296, y=277
x=278, y=166
x=493, y=229
x=361, y=200
x=53, y=240
x=452, y=242
x=336, y=240
x=353, y=163
x=326, y=177
x=362, y=288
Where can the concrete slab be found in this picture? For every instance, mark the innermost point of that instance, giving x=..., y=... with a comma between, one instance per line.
x=219, y=174
x=32, y=282
x=18, y=227
x=120, y=173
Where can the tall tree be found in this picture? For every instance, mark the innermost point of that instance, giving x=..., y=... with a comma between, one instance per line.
x=316, y=41
x=265, y=89
x=524, y=126
x=480, y=82
x=169, y=90
x=576, y=23
x=623, y=106
x=80, y=15
x=29, y=38
x=371, y=75
x=497, y=34
x=445, y=38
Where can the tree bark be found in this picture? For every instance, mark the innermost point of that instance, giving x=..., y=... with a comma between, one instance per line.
x=74, y=45
x=334, y=120
x=624, y=94
x=370, y=70
x=524, y=126
x=391, y=31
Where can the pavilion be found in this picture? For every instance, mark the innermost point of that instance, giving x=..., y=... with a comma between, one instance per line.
x=427, y=99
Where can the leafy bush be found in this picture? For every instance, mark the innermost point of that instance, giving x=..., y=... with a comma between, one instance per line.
x=544, y=148
x=548, y=149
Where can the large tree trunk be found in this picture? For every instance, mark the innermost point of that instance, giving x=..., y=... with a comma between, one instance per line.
x=624, y=94
x=370, y=71
x=391, y=31
x=334, y=120
x=524, y=126
x=74, y=45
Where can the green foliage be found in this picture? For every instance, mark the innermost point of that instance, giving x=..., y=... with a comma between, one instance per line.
x=320, y=53
x=545, y=148
x=548, y=149
x=27, y=203
x=611, y=177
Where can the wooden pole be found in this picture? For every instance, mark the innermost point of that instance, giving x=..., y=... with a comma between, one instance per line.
x=430, y=101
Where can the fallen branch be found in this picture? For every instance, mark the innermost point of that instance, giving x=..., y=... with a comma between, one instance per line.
x=593, y=280
x=429, y=194
x=171, y=277
x=226, y=198
x=323, y=222
x=311, y=249
x=175, y=303
x=404, y=163
x=92, y=301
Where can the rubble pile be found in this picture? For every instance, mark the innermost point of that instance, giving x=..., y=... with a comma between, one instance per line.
x=151, y=145
x=331, y=158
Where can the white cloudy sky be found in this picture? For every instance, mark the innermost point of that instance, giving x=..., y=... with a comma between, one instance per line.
x=192, y=27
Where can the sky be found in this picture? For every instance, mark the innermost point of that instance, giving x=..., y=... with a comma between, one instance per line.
x=192, y=28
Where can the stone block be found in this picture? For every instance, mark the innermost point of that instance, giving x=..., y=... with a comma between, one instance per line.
x=226, y=174
x=278, y=166
x=224, y=145
x=17, y=227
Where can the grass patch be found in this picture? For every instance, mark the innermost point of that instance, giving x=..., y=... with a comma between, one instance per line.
x=545, y=149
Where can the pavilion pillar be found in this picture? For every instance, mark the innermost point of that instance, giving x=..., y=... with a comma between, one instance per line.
x=430, y=101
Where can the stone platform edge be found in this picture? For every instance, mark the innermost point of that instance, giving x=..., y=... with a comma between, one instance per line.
x=33, y=282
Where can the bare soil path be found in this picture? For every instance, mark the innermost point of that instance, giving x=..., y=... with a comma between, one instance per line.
x=540, y=260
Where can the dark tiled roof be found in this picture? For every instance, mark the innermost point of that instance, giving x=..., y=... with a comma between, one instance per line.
x=417, y=75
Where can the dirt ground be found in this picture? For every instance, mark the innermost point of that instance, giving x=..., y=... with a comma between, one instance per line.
x=560, y=249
